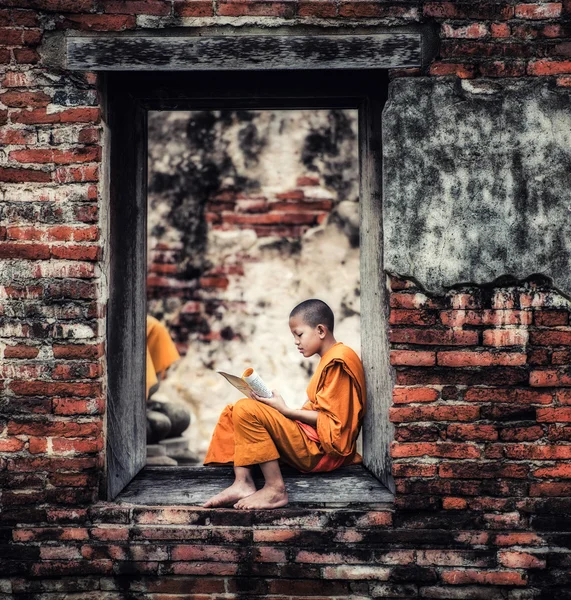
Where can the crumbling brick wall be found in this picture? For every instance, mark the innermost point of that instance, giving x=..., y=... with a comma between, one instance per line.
x=481, y=408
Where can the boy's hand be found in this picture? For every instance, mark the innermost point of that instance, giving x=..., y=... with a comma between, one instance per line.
x=276, y=401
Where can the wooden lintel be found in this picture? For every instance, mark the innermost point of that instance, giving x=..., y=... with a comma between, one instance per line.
x=247, y=52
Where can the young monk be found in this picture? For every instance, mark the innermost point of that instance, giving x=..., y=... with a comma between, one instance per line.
x=321, y=436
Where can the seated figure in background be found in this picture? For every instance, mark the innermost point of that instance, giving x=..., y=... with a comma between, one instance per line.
x=164, y=419
x=161, y=353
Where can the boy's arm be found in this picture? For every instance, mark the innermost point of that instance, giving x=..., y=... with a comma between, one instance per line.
x=277, y=402
x=303, y=415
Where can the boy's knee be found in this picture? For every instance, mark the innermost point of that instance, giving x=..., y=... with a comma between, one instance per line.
x=244, y=409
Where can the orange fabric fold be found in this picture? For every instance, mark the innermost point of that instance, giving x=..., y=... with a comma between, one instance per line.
x=250, y=432
x=161, y=351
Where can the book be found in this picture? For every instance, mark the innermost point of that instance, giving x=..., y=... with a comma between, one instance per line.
x=248, y=383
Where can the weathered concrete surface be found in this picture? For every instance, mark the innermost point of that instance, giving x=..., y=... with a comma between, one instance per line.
x=477, y=181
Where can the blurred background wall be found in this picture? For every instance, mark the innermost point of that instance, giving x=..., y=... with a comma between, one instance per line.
x=250, y=212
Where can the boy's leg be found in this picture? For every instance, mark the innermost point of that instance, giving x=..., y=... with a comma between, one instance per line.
x=272, y=495
x=242, y=487
x=263, y=434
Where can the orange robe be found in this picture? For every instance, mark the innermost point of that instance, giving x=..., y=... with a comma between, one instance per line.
x=161, y=351
x=250, y=432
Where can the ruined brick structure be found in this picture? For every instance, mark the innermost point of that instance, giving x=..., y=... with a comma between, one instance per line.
x=481, y=403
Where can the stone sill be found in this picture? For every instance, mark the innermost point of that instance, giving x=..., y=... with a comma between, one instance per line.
x=350, y=487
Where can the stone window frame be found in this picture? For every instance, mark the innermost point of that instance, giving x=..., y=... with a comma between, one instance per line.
x=131, y=85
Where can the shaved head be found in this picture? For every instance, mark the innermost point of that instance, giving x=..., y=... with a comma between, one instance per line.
x=314, y=312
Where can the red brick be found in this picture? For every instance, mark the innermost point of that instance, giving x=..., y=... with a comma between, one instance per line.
x=559, y=433
x=24, y=251
x=479, y=433
x=468, y=10
x=72, y=371
x=51, y=464
x=470, y=576
x=26, y=56
x=521, y=434
x=18, y=99
x=422, y=318
x=17, y=136
x=454, y=503
x=471, y=31
x=550, y=378
x=550, y=489
x=554, y=415
x=500, y=30
x=459, y=70
x=206, y=553
x=520, y=560
x=109, y=533
x=311, y=180
x=547, y=10
x=193, y=8
x=549, y=67
x=557, y=337
x=563, y=397
x=434, y=413
x=19, y=175
x=413, y=470
x=59, y=428
x=535, y=452
x=137, y=7
x=20, y=351
x=482, y=358
x=483, y=470
x=47, y=155
x=441, y=450
x=76, y=174
x=409, y=395
x=76, y=252
x=508, y=395
x=561, y=357
x=214, y=282
x=56, y=233
x=506, y=520
x=561, y=471
x=505, y=337
x=459, y=318
x=518, y=539
x=76, y=351
x=72, y=406
x=412, y=358
x=443, y=337
x=99, y=22
x=273, y=8
x=41, y=388
x=11, y=444
x=551, y=318
x=68, y=115
x=505, y=68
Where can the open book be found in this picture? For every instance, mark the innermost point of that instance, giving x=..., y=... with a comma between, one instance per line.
x=250, y=381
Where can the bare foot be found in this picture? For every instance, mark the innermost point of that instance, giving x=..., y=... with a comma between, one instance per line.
x=267, y=497
x=237, y=491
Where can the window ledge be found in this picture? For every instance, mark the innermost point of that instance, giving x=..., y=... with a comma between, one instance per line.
x=350, y=486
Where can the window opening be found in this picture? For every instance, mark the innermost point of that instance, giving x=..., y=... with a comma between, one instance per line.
x=249, y=213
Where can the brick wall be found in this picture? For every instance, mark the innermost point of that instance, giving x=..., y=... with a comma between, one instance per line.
x=481, y=408
x=288, y=214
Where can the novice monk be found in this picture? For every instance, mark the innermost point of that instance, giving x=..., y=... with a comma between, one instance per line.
x=321, y=436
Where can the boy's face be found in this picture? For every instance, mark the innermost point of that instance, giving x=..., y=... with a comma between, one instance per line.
x=308, y=339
